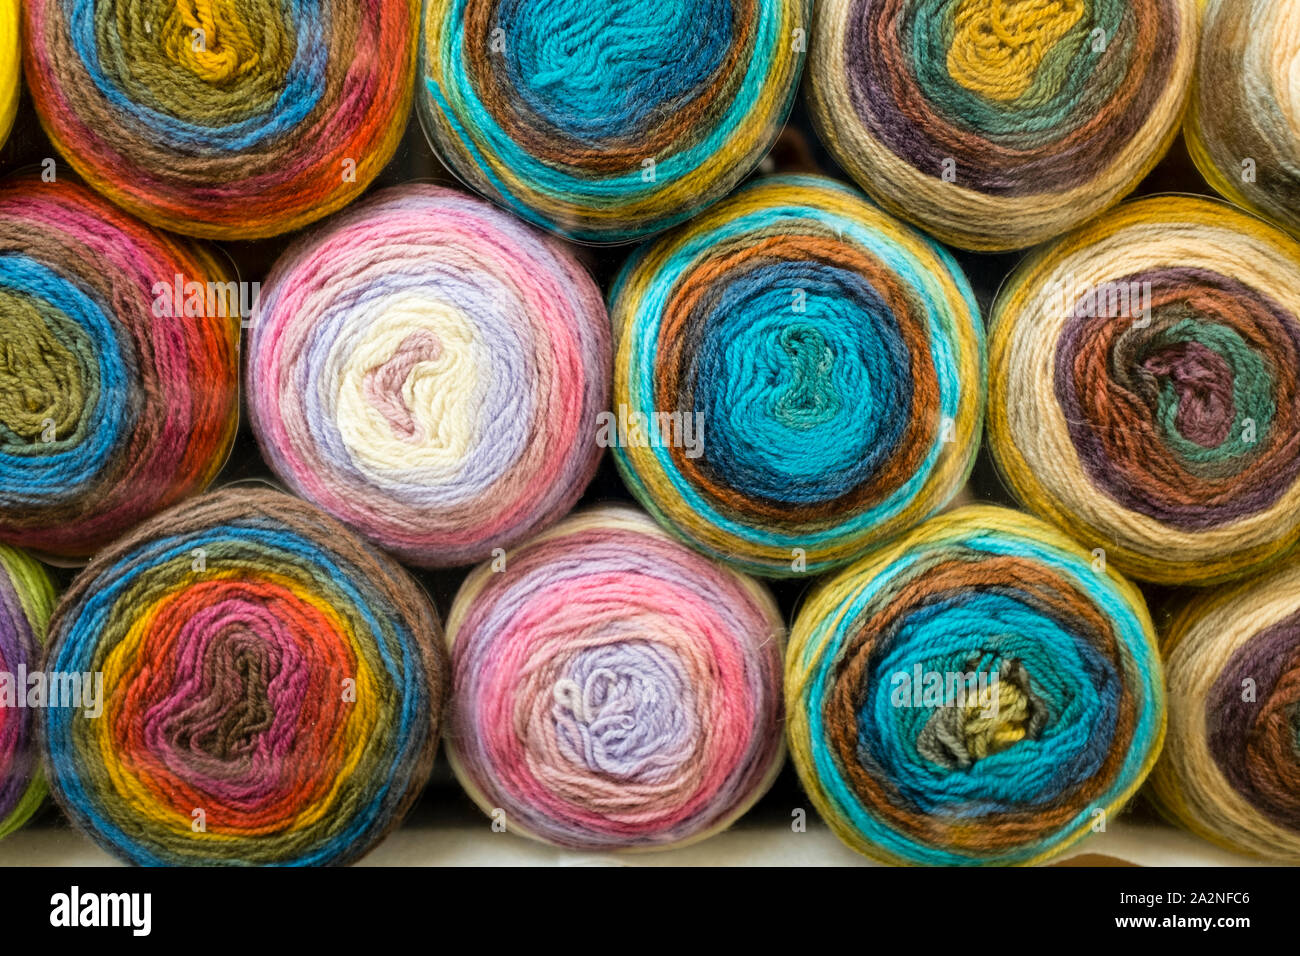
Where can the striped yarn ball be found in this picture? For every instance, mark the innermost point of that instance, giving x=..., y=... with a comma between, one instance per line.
x=800, y=376
x=429, y=370
x=113, y=405
x=996, y=124
x=1230, y=771
x=239, y=119
x=26, y=602
x=1243, y=122
x=611, y=120
x=977, y=692
x=10, y=66
x=272, y=688
x=1144, y=389
x=614, y=689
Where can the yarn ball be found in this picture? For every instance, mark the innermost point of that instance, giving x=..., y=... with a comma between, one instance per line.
x=797, y=376
x=614, y=689
x=429, y=370
x=608, y=121
x=977, y=692
x=120, y=387
x=239, y=119
x=997, y=124
x=272, y=688
x=1243, y=120
x=10, y=66
x=1230, y=771
x=1143, y=388
x=26, y=602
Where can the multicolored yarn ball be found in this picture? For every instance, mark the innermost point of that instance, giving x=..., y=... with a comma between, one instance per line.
x=10, y=66
x=977, y=692
x=614, y=689
x=26, y=602
x=117, y=399
x=997, y=124
x=797, y=376
x=272, y=688
x=231, y=120
x=429, y=370
x=1230, y=771
x=1144, y=389
x=608, y=121
x=1243, y=121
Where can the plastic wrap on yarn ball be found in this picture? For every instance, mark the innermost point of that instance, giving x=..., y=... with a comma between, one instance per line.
x=429, y=370
x=1230, y=771
x=272, y=688
x=120, y=387
x=797, y=376
x=10, y=66
x=997, y=125
x=608, y=121
x=26, y=602
x=976, y=692
x=612, y=688
x=1243, y=117
x=1143, y=388
x=233, y=120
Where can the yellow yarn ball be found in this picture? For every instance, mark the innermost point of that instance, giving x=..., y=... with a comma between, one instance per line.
x=1143, y=388
x=1230, y=771
x=1243, y=118
x=10, y=62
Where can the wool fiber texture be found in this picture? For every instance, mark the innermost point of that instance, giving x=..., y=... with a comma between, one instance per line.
x=1243, y=122
x=10, y=65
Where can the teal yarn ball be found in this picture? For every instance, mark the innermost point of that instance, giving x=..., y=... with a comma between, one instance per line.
x=979, y=691
x=797, y=377
x=607, y=121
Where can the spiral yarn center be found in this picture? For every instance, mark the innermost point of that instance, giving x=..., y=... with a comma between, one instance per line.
x=998, y=47
x=213, y=39
x=624, y=710
x=999, y=711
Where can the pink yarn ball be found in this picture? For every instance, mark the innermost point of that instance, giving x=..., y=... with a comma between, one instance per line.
x=429, y=370
x=613, y=688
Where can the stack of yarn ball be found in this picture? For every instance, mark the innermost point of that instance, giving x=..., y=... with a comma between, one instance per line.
x=793, y=377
